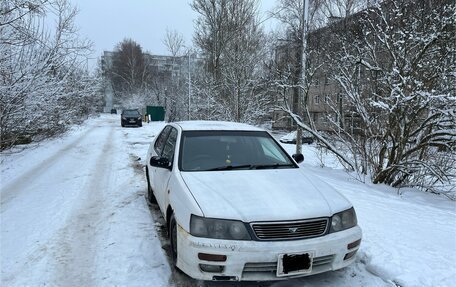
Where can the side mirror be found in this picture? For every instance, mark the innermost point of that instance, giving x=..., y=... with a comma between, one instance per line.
x=161, y=162
x=299, y=157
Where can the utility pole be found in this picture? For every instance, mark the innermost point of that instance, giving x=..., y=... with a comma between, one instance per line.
x=305, y=13
x=189, y=85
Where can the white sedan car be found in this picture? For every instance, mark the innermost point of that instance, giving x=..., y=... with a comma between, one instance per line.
x=238, y=207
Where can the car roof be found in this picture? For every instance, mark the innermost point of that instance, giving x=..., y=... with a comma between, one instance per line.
x=215, y=126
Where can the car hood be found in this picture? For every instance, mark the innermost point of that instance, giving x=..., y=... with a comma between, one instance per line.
x=263, y=195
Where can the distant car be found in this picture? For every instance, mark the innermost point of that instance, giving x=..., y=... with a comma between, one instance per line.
x=113, y=111
x=239, y=208
x=131, y=118
x=291, y=138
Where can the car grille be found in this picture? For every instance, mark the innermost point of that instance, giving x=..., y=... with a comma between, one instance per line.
x=319, y=264
x=290, y=229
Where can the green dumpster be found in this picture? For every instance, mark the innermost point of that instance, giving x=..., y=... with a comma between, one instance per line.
x=157, y=113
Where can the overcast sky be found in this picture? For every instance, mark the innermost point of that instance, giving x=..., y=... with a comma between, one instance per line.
x=107, y=22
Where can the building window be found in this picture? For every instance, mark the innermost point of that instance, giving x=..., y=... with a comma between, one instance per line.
x=326, y=80
x=325, y=119
x=339, y=99
x=317, y=100
x=327, y=99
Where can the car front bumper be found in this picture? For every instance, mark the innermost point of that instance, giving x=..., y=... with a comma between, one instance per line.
x=258, y=260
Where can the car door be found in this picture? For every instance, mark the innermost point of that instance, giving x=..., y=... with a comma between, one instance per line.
x=156, y=150
x=164, y=174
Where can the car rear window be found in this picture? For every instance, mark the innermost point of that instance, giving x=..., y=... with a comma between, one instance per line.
x=131, y=113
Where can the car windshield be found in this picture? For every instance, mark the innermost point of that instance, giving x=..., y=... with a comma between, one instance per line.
x=231, y=150
x=131, y=113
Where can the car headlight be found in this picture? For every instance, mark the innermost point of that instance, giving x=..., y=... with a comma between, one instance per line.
x=139, y=118
x=123, y=118
x=218, y=228
x=343, y=220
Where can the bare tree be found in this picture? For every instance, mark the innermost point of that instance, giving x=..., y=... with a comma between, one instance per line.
x=129, y=70
x=289, y=13
x=176, y=99
x=342, y=8
x=174, y=42
x=229, y=34
x=211, y=31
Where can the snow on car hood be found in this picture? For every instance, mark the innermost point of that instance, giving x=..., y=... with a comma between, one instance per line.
x=263, y=195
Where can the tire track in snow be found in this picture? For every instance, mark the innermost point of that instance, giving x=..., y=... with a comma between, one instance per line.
x=20, y=183
x=75, y=248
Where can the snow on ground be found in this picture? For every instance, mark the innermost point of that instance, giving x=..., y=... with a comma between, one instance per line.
x=73, y=214
x=408, y=239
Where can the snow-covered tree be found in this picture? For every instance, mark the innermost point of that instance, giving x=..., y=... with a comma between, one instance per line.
x=395, y=64
x=43, y=84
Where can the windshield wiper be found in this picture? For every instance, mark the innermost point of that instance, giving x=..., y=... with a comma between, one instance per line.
x=251, y=166
x=230, y=167
x=266, y=166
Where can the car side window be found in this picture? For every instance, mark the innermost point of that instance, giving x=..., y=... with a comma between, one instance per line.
x=161, y=140
x=170, y=145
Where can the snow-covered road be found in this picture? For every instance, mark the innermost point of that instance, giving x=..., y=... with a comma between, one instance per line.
x=73, y=214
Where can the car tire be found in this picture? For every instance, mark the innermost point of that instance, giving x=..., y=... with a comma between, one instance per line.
x=172, y=232
x=150, y=194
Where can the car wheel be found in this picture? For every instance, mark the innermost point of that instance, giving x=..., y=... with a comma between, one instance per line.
x=172, y=230
x=150, y=194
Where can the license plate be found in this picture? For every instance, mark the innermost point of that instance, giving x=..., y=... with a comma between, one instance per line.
x=294, y=264
x=132, y=121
